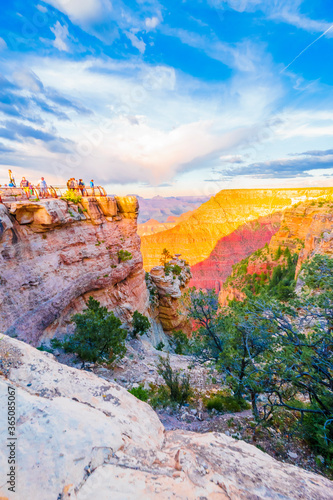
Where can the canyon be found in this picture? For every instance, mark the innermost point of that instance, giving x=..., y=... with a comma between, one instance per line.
x=236, y=246
x=161, y=208
x=54, y=254
x=196, y=237
x=152, y=226
x=305, y=229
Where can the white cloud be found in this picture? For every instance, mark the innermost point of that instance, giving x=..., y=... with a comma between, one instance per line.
x=152, y=22
x=28, y=80
x=282, y=10
x=42, y=8
x=136, y=42
x=243, y=56
x=82, y=12
x=3, y=44
x=61, y=37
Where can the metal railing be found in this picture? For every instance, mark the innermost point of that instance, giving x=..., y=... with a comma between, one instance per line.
x=35, y=193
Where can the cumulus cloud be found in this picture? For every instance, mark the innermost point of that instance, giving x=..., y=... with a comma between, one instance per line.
x=82, y=12
x=61, y=37
x=152, y=22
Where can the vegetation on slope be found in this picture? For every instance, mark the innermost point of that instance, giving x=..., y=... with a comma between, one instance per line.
x=276, y=353
x=278, y=280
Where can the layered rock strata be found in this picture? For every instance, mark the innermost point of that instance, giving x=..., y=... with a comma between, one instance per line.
x=212, y=272
x=54, y=254
x=196, y=237
x=82, y=437
x=305, y=229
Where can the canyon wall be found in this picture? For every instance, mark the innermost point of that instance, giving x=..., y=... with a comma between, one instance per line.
x=212, y=272
x=81, y=436
x=196, y=237
x=55, y=254
x=305, y=229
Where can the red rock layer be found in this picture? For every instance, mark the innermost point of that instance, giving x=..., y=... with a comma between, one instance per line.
x=212, y=272
x=196, y=237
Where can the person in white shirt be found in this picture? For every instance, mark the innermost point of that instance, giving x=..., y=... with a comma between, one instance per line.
x=42, y=187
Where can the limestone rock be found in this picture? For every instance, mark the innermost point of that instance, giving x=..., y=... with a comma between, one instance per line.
x=170, y=288
x=108, y=206
x=50, y=266
x=81, y=437
x=44, y=214
x=128, y=206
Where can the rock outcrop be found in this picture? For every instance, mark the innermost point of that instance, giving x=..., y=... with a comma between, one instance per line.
x=169, y=288
x=212, y=272
x=54, y=254
x=81, y=437
x=196, y=237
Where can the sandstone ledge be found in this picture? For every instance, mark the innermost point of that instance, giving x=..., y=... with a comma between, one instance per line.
x=82, y=437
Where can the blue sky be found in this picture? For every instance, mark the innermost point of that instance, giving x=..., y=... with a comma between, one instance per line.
x=166, y=98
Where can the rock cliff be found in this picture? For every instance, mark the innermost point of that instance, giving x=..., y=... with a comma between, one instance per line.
x=196, y=237
x=54, y=254
x=212, y=272
x=305, y=229
x=80, y=437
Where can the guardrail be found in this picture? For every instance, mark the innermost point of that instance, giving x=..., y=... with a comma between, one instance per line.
x=34, y=193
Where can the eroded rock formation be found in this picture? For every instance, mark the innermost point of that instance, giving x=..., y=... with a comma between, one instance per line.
x=54, y=254
x=170, y=288
x=83, y=437
x=196, y=237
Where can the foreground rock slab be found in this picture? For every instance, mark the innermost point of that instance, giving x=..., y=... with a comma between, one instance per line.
x=81, y=437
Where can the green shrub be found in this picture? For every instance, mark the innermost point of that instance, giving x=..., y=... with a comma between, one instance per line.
x=165, y=256
x=180, y=342
x=98, y=335
x=179, y=386
x=124, y=255
x=140, y=393
x=140, y=324
x=160, y=346
x=176, y=270
x=160, y=397
x=228, y=404
x=72, y=196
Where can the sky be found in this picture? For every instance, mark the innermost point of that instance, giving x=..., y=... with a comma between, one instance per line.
x=167, y=97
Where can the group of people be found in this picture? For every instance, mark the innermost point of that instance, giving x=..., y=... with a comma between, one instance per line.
x=42, y=188
x=28, y=187
x=79, y=185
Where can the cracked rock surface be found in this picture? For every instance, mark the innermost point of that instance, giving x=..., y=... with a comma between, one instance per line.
x=80, y=437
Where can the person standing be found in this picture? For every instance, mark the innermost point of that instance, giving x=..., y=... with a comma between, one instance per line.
x=81, y=186
x=42, y=187
x=24, y=184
